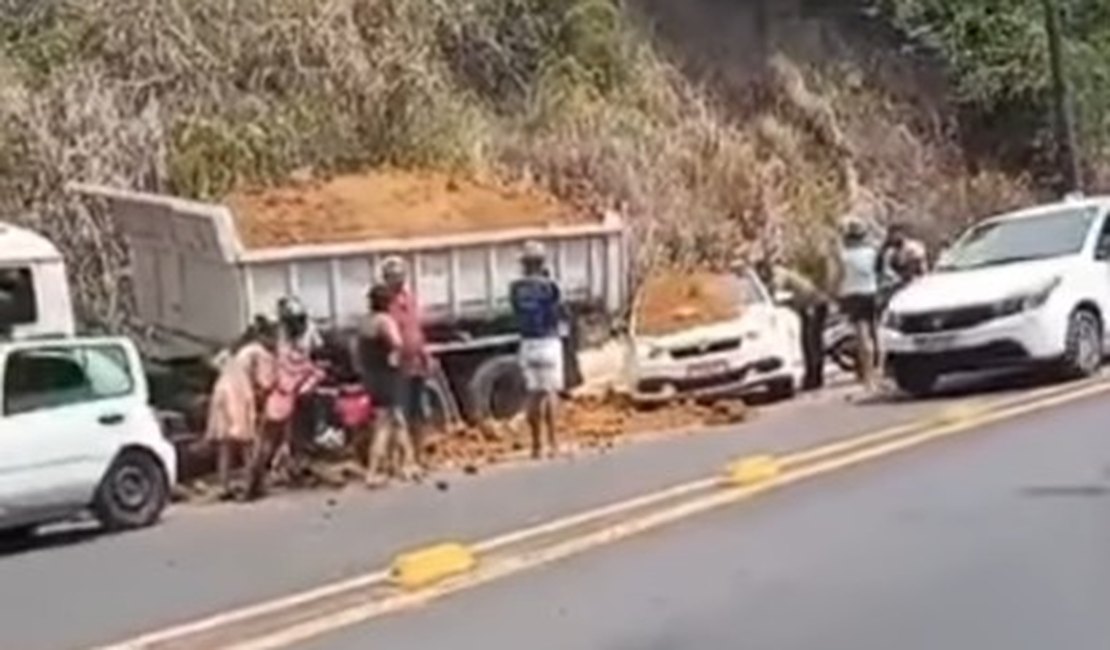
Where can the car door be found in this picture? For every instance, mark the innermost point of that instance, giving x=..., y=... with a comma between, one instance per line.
x=66, y=407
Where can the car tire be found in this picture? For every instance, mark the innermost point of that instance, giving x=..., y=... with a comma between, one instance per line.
x=915, y=381
x=133, y=493
x=1083, y=350
x=18, y=534
x=781, y=390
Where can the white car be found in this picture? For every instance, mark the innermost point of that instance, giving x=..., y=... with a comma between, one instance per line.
x=760, y=350
x=77, y=433
x=1024, y=288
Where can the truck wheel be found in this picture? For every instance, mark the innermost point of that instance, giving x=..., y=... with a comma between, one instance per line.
x=496, y=389
x=916, y=381
x=1083, y=352
x=133, y=493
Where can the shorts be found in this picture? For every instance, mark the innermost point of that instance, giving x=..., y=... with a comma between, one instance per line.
x=541, y=361
x=860, y=307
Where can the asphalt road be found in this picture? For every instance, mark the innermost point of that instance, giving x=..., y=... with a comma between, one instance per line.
x=997, y=539
x=204, y=560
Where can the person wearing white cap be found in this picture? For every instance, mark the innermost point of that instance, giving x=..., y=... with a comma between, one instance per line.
x=537, y=306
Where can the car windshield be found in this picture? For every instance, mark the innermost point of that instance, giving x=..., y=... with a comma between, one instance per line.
x=1004, y=241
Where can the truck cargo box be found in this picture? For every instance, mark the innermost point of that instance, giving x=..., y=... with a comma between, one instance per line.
x=196, y=281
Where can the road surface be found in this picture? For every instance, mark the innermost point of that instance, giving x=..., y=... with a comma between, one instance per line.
x=205, y=560
x=997, y=539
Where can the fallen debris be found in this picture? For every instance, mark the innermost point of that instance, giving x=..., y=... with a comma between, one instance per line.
x=673, y=301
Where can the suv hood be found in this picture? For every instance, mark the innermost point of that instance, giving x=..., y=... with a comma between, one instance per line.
x=953, y=289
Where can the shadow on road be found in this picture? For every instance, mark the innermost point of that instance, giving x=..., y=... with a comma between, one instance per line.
x=49, y=538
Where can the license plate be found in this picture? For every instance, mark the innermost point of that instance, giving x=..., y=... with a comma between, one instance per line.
x=934, y=343
x=706, y=368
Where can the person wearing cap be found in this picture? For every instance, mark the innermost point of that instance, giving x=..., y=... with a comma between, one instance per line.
x=856, y=275
x=415, y=360
x=537, y=307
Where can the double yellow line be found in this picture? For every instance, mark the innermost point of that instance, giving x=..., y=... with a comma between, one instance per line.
x=424, y=575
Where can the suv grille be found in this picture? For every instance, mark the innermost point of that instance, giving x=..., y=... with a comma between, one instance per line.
x=948, y=319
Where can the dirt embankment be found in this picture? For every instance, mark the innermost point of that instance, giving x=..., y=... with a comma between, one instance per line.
x=389, y=203
x=672, y=301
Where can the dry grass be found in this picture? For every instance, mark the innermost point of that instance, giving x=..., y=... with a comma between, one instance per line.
x=198, y=96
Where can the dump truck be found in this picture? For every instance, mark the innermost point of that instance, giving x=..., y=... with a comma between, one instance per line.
x=197, y=286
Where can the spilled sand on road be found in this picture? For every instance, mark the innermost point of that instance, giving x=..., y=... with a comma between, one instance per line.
x=588, y=424
x=389, y=204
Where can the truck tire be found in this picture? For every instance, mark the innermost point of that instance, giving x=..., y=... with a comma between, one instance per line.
x=133, y=493
x=914, y=379
x=1083, y=351
x=496, y=390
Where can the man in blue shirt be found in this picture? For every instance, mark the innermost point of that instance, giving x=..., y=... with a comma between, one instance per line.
x=537, y=306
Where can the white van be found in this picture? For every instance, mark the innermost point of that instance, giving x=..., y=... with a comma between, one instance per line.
x=77, y=433
x=34, y=290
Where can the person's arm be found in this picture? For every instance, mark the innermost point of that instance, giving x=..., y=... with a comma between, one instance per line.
x=796, y=283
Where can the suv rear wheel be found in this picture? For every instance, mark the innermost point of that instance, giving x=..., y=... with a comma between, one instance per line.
x=133, y=493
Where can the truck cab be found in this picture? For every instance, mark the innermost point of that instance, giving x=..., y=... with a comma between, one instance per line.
x=34, y=290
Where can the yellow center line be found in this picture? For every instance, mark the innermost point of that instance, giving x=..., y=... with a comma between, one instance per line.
x=378, y=577
x=496, y=568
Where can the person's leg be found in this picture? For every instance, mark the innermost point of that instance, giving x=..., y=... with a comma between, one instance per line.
x=223, y=466
x=379, y=446
x=815, y=367
x=865, y=334
x=262, y=458
x=415, y=416
x=805, y=335
x=550, y=419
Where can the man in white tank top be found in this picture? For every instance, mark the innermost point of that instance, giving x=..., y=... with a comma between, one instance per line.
x=856, y=276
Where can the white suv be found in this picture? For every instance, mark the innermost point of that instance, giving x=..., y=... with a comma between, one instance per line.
x=77, y=433
x=1021, y=288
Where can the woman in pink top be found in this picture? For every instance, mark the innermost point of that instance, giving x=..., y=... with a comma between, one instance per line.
x=246, y=376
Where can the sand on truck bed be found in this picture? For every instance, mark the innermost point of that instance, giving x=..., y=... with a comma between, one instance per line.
x=388, y=204
x=672, y=301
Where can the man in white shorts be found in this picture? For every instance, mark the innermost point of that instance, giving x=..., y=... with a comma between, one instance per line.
x=537, y=305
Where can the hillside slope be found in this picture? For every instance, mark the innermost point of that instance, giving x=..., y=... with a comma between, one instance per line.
x=716, y=136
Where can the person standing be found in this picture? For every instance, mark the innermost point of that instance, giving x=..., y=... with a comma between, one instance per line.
x=415, y=361
x=812, y=308
x=379, y=353
x=247, y=374
x=901, y=259
x=856, y=268
x=537, y=307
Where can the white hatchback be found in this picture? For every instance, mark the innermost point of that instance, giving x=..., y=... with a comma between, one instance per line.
x=1030, y=287
x=759, y=350
x=77, y=433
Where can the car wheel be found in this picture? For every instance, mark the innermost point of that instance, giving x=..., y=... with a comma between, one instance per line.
x=17, y=534
x=916, y=381
x=1083, y=353
x=133, y=493
x=781, y=390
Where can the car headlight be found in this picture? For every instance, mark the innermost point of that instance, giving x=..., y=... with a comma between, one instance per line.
x=655, y=352
x=892, y=320
x=1032, y=300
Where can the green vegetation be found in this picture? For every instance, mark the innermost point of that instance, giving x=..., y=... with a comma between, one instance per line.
x=997, y=51
x=198, y=96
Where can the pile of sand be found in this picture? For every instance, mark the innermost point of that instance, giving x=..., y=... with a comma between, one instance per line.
x=593, y=422
x=672, y=301
x=388, y=203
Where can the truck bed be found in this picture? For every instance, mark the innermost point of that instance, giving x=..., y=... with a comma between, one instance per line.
x=198, y=285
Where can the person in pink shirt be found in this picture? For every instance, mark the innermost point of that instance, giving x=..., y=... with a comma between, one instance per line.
x=415, y=360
